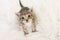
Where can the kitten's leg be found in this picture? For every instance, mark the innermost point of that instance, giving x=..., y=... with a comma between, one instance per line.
x=34, y=28
x=25, y=30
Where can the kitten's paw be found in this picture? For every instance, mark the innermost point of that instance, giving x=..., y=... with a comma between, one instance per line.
x=26, y=33
x=34, y=30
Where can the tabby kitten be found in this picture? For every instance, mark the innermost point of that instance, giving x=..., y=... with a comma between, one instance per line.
x=27, y=19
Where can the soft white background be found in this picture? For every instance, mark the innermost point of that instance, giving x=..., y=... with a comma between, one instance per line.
x=48, y=14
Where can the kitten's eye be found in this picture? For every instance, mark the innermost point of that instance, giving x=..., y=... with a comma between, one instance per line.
x=22, y=17
x=28, y=15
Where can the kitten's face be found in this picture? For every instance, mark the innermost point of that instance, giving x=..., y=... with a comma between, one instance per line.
x=26, y=16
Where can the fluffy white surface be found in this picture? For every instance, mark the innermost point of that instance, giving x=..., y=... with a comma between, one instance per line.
x=48, y=14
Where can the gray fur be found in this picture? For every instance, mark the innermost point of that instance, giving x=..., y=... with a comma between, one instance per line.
x=26, y=14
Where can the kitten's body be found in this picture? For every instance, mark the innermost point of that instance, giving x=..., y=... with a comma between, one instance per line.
x=27, y=19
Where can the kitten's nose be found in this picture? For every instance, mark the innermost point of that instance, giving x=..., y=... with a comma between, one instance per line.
x=26, y=20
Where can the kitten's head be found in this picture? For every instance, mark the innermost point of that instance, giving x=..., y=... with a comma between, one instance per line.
x=25, y=15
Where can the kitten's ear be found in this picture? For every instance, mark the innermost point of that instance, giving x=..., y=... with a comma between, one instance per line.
x=31, y=9
x=18, y=14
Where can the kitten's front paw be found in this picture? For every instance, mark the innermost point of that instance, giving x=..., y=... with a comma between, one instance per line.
x=34, y=30
x=26, y=33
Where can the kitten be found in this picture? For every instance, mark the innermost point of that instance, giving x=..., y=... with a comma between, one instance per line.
x=27, y=18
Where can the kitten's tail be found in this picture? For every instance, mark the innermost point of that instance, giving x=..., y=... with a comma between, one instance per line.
x=20, y=3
